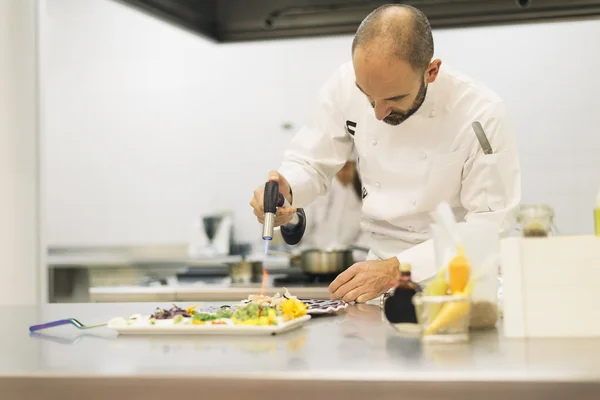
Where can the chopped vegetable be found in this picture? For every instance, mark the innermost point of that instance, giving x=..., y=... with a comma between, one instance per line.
x=222, y=313
x=168, y=314
x=437, y=287
x=451, y=312
x=292, y=308
x=190, y=310
x=459, y=271
x=254, y=314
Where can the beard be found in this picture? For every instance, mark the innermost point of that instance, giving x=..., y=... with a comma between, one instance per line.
x=396, y=117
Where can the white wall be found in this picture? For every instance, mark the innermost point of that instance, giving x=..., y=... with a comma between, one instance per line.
x=147, y=126
x=19, y=246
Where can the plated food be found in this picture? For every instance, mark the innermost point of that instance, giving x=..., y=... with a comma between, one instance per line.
x=248, y=318
x=258, y=314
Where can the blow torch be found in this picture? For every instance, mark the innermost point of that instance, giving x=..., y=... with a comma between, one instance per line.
x=291, y=232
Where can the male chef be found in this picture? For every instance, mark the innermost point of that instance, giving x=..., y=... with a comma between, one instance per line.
x=409, y=119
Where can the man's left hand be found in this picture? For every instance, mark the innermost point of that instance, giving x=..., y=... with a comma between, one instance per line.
x=365, y=280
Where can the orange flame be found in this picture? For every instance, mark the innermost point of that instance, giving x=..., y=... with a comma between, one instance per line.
x=265, y=279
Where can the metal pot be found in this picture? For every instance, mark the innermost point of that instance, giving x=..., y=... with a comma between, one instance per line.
x=246, y=272
x=324, y=262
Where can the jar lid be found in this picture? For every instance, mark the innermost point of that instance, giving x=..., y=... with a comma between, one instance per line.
x=535, y=210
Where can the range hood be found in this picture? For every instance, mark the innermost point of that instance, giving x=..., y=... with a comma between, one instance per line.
x=245, y=20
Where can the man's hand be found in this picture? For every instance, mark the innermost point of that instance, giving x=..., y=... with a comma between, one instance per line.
x=365, y=280
x=283, y=214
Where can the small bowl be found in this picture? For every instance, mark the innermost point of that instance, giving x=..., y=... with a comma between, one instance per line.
x=430, y=308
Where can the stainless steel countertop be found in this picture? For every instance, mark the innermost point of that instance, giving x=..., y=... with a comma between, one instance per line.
x=195, y=292
x=349, y=356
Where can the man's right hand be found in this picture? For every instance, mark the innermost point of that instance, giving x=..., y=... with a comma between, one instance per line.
x=284, y=214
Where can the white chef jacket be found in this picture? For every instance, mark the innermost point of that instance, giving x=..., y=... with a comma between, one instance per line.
x=333, y=220
x=407, y=170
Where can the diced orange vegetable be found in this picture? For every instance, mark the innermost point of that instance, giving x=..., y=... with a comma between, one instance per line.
x=459, y=272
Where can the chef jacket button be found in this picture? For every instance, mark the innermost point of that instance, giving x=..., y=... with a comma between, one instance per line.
x=423, y=155
x=410, y=229
x=374, y=142
x=414, y=202
x=432, y=113
x=377, y=184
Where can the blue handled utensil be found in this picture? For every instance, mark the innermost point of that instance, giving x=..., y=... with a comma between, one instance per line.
x=68, y=321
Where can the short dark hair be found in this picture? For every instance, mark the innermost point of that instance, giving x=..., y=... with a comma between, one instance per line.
x=413, y=42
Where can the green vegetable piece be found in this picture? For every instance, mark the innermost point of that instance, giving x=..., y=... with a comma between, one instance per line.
x=178, y=318
x=152, y=321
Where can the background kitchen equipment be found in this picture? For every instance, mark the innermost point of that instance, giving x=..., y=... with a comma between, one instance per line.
x=212, y=235
x=248, y=270
x=323, y=262
x=245, y=272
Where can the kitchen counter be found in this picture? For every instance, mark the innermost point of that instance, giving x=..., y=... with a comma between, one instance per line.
x=74, y=270
x=349, y=356
x=194, y=293
x=175, y=256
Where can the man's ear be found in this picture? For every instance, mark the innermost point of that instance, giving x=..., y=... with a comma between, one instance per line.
x=433, y=70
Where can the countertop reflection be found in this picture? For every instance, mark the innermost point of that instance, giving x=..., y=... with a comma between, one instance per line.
x=356, y=344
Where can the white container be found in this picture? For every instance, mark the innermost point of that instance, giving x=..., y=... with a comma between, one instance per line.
x=482, y=247
x=551, y=286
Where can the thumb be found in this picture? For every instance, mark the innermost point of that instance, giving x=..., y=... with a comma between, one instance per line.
x=273, y=176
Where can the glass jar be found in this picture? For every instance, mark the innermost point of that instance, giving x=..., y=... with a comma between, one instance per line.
x=536, y=220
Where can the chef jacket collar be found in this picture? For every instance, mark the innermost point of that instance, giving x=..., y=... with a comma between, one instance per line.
x=429, y=106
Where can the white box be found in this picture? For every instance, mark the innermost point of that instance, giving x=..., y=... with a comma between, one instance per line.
x=551, y=286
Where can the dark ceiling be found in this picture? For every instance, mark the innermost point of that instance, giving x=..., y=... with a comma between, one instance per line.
x=244, y=20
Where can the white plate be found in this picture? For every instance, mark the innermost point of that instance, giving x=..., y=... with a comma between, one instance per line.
x=166, y=327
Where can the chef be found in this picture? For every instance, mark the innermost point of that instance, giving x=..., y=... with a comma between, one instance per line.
x=333, y=220
x=409, y=119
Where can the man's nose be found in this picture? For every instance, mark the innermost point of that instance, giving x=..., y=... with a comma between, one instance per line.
x=381, y=110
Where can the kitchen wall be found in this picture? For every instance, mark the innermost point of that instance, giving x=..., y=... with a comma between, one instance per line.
x=19, y=245
x=147, y=126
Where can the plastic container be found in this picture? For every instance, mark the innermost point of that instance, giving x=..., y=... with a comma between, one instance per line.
x=452, y=330
x=482, y=247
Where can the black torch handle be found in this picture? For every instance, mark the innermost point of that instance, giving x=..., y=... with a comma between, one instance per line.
x=272, y=197
x=293, y=235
